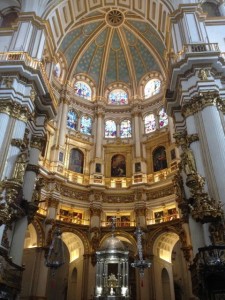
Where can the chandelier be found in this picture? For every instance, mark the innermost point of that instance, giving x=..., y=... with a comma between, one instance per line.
x=140, y=263
x=55, y=257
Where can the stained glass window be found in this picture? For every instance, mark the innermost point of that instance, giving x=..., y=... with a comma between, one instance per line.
x=82, y=89
x=76, y=161
x=118, y=97
x=86, y=125
x=150, y=124
x=152, y=88
x=110, y=129
x=163, y=118
x=125, y=129
x=72, y=119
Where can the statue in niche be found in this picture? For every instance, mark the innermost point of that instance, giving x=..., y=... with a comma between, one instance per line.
x=188, y=161
x=20, y=167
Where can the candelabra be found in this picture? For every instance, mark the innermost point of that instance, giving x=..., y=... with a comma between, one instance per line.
x=55, y=257
x=140, y=263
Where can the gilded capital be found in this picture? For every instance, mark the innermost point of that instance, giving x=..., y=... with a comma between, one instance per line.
x=204, y=99
x=15, y=110
x=37, y=142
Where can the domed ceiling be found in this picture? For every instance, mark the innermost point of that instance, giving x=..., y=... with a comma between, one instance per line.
x=113, y=46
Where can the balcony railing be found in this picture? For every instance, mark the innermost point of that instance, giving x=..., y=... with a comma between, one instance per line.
x=19, y=56
x=194, y=49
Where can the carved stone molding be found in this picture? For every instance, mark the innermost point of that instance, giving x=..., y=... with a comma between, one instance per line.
x=51, y=202
x=95, y=212
x=204, y=99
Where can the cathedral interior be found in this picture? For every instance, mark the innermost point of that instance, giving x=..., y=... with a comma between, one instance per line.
x=111, y=149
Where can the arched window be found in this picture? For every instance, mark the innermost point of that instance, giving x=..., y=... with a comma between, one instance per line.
x=149, y=122
x=86, y=125
x=163, y=118
x=159, y=159
x=152, y=88
x=118, y=97
x=82, y=89
x=211, y=9
x=110, y=129
x=125, y=129
x=72, y=119
x=76, y=161
x=118, y=166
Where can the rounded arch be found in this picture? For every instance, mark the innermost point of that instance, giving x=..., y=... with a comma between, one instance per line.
x=149, y=77
x=80, y=235
x=118, y=86
x=87, y=80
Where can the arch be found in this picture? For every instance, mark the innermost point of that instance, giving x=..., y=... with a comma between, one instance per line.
x=118, y=166
x=118, y=97
x=148, y=78
x=165, y=284
x=30, y=237
x=159, y=159
x=87, y=80
x=152, y=87
x=76, y=161
x=82, y=89
x=211, y=8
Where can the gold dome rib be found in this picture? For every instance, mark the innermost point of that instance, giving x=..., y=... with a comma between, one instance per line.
x=128, y=58
x=105, y=61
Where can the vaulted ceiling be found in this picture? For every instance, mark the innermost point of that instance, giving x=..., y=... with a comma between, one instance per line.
x=112, y=45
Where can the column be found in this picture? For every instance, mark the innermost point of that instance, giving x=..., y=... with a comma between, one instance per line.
x=16, y=251
x=137, y=134
x=62, y=123
x=99, y=134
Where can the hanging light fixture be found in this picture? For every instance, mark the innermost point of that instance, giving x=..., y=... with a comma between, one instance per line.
x=140, y=263
x=55, y=257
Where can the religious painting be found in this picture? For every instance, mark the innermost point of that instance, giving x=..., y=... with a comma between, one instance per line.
x=61, y=156
x=125, y=221
x=98, y=168
x=76, y=161
x=159, y=159
x=118, y=166
x=137, y=167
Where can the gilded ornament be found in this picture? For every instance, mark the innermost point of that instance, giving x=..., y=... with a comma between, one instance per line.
x=7, y=81
x=203, y=74
x=37, y=142
x=33, y=168
x=33, y=95
x=20, y=167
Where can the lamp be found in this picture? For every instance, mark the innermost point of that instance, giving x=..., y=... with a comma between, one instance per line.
x=140, y=263
x=55, y=257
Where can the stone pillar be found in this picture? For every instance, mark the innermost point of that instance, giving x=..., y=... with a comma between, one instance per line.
x=62, y=123
x=137, y=134
x=99, y=134
x=16, y=250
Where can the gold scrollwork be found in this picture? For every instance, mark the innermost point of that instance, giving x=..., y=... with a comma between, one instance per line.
x=204, y=99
